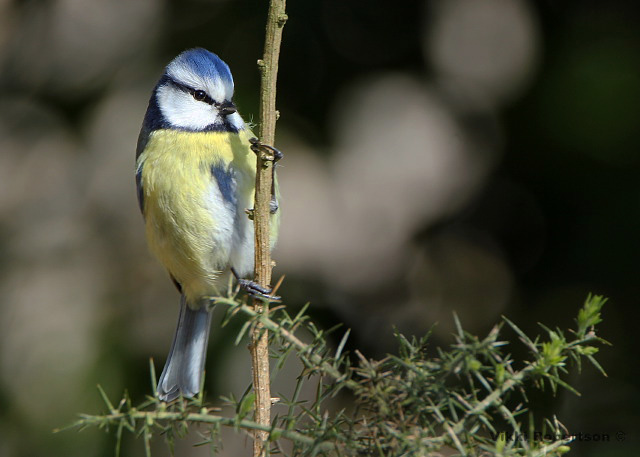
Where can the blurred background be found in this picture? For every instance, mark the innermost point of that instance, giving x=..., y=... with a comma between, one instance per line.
x=472, y=156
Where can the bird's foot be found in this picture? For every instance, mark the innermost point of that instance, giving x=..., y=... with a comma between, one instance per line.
x=254, y=289
x=268, y=152
x=273, y=209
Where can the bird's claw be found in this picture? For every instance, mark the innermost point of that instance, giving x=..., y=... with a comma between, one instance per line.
x=272, y=153
x=254, y=289
x=273, y=209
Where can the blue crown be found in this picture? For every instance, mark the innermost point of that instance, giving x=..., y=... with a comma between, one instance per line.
x=204, y=64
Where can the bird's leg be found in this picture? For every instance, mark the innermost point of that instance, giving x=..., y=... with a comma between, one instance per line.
x=268, y=153
x=253, y=288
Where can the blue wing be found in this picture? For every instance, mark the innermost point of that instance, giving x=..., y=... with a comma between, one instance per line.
x=227, y=183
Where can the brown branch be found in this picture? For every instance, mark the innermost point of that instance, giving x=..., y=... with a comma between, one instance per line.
x=264, y=179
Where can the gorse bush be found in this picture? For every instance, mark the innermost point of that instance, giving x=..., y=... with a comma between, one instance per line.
x=469, y=399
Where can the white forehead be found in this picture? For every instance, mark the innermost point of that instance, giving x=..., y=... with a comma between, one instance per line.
x=218, y=88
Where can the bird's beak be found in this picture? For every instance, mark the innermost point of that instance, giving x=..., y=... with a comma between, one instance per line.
x=227, y=108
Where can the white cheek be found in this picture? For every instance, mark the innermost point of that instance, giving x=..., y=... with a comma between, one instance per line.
x=181, y=110
x=236, y=121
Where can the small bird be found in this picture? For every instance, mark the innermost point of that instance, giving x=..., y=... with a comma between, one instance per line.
x=195, y=176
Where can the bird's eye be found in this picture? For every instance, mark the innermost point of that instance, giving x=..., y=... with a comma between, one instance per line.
x=199, y=95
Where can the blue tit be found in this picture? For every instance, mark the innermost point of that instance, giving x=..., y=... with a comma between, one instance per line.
x=195, y=176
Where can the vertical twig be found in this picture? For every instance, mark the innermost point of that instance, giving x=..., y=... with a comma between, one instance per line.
x=264, y=175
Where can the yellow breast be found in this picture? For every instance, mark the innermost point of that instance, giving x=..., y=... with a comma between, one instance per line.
x=194, y=184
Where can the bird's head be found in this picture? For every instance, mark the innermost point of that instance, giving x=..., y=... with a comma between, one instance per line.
x=195, y=93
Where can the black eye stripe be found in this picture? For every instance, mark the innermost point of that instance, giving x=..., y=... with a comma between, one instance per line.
x=197, y=94
x=202, y=96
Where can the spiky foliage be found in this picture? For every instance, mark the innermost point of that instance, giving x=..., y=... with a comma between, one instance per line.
x=469, y=399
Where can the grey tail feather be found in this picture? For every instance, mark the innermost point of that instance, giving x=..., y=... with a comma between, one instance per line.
x=185, y=364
